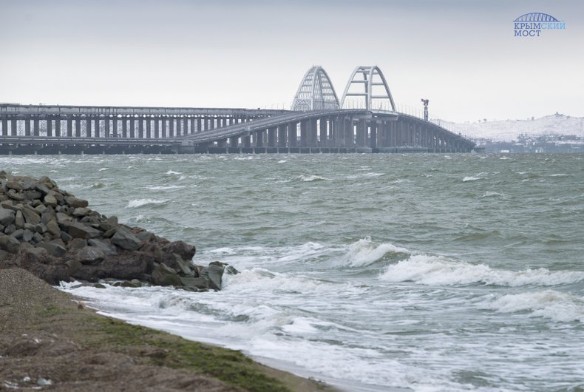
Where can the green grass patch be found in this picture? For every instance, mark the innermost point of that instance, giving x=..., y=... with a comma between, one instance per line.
x=229, y=366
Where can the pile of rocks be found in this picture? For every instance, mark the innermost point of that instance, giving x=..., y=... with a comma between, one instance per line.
x=54, y=235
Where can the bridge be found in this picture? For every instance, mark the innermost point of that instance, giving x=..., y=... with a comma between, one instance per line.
x=364, y=120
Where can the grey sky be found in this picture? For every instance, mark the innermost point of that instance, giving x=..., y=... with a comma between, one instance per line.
x=459, y=53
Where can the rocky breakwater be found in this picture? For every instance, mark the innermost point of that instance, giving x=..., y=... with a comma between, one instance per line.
x=57, y=237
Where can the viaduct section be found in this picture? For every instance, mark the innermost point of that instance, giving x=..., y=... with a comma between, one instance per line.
x=365, y=120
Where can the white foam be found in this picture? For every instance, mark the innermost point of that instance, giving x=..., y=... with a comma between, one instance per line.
x=144, y=202
x=172, y=172
x=164, y=188
x=550, y=304
x=437, y=271
x=103, y=169
x=470, y=178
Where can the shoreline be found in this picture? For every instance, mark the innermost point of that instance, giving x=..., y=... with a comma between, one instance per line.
x=49, y=339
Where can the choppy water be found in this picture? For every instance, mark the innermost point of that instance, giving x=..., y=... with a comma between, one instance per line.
x=373, y=272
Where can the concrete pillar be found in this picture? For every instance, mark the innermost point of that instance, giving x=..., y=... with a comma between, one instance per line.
x=36, y=126
x=27, y=126
x=148, y=127
x=362, y=133
x=199, y=122
x=156, y=127
x=171, y=127
x=115, y=126
x=259, y=138
x=107, y=129
x=233, y=142
x=132, y=130
x=246, y=141
x=88, y=122
x=304, y=133
x=323, y=132
x=4, y=127
x=49, y=127
x=14, y=127
x=141, y=127
x=292, y=134
x=373, y=136
x=77, y=127
x=69, y=131
x=282, y=135
x=58, y=126
x=164, y=129
x=272, y=137
x=178, y=128
x=124, y=127
x=97, y=131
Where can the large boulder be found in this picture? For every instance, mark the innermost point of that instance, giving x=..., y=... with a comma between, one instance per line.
x=125, y=239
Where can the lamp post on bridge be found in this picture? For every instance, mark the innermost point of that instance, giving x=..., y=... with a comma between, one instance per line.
x=425, y=102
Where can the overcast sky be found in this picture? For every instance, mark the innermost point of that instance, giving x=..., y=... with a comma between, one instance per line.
x=461, y=54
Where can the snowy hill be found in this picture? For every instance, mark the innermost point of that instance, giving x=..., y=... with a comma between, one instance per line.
x=508, y=130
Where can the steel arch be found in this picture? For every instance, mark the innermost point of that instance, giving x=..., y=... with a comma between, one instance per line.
x=368, y=74
x=316, y=92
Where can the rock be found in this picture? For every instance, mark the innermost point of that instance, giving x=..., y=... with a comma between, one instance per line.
x=6, y=216
x=77, y=243
x=125, y=239
x=130, y=266
x=81, y=211
x=14, y=184
x=215, y=274
x=105, y=246
x=54, y=248
x=41, y=264
x=90, y=255
x=53, y=228
x=27, y=235
x=10, y=229
x=31, y=215
x=19, y=220
x=165, y=276
x=184, y=250
x=80, y=230
x=198, y=284
x=75, y=202
x=9, y=243
x=14, y=195
x=51, y=200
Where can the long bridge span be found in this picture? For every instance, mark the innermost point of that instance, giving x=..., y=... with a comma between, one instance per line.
x=365, y=120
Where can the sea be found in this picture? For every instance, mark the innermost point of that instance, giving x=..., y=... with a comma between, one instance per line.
x=370, y=272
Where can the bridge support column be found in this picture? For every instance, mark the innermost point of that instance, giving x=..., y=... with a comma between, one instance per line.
x=185, y=127
x=246, y=141
x=272, y=137
x=27, y=126
x=259, y=138
x=141, y=127
x=156, y=127
x=58, y=126
x=107, y=129
x=234, y=142
x=14, y=127
x=304, y=133
x=282, y=135
x=171, y=127
x=373, y=137
x=115, y=126
x=77, y=126
x=132, y=130
x=4, y=127
x=69, y=131
x=361, y=140
x=88, y=122
x=292, y=134
x=49, y=122
x=36, y=126
x=124, y=127
x=148, y=127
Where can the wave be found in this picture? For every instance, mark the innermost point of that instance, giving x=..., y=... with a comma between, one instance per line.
x=437, y=271
x=470, y=178
x=172, y=172
x=364, y=252
x=311, y=178
x=550, y=304
x=164, y=188
x=144, y=202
